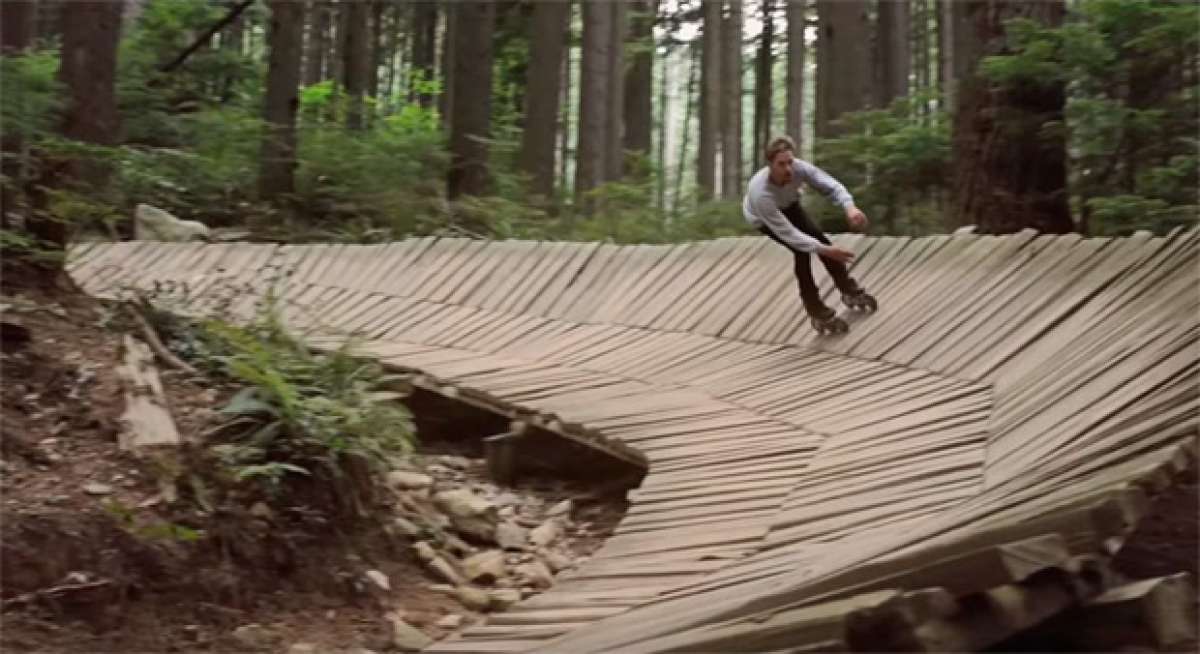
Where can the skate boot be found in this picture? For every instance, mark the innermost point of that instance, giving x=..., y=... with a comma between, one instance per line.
x=860, y=301
x=828, y=322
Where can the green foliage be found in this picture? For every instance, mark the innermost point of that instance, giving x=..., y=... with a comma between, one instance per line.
x=301, y=412
x=30, y=95
x=162, y=530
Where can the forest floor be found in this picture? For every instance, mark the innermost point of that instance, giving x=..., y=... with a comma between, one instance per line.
x=85, y=569
x=88, y=560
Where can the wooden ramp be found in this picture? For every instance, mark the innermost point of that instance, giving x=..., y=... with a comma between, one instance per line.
x=955, y=469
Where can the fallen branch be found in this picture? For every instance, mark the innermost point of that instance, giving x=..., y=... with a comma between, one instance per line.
x=53, y=592
x=156, y=343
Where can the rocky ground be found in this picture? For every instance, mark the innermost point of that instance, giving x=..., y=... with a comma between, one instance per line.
x=101, y=555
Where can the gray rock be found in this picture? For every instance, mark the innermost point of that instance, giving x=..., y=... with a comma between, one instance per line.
x=254, y=636
x=378, y=579
x=546, y=533
x=450, y=621
x=455, y=462
x=537, y=573
x=408, y=480
x=260, y=510
x=511, y=536
x=97, y=488
x=473, y=598
x=556, y=561
x=406, y=637
x=485, y=567
x=470, y=514
x=406, y=527
x=302, y=648
x=502, y=598
x=438, y=565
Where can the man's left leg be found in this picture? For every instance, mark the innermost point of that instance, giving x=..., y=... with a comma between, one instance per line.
x=837, y=270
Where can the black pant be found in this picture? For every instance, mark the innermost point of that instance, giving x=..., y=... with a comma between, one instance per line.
x=810, y=295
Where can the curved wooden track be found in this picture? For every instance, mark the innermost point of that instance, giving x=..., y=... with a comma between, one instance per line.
x=803, y=491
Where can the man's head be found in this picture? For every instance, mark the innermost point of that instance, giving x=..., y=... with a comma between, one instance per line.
x=779, y=154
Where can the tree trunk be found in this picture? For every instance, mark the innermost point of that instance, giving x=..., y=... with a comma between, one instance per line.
x=376, y=58
x=470, y=122
x=449, y=47
x=963, y=50
x=564, y=122
x=710, y=101
x=731, y=113
x=893, y=51
x=356, y=50
x=18, y=25
x=284, y=41
x=661, y=154
x=424, y=48
x=593, y=99
x=318, y=42
x=18, y=29
x=794, y=122
x=547, y=41
x=1010, y=172
x=688, y=101
x=843, y=61
x=614, y=155
x=639, y=81
x=762, y=84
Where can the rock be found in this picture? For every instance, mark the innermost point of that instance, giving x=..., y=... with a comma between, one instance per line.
x=546, y=533
x=97, y=488
x=407, y=480
x=507, y=512
x=406, y=527
x=456, y=545
x=406, y=637
x=507, y=499
x=455, y=462
x=153, y=224
x=261, y=510
x=556, y=561
x=439, y=471
x=473, y=598
x=379, y=579
x=254, y=636
x=511, y=536
x=563, y=508
x=440, y=566
x=485, y=567
x=527, y=592
x=445, y=589
x=450, y=621
x=537, y=573
x=502, y=598
x=302, y=648
x=470, y=514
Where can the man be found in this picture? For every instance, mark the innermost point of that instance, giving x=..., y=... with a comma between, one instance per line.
x=772, y=205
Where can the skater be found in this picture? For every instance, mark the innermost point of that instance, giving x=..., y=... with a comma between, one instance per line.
x=772, y=205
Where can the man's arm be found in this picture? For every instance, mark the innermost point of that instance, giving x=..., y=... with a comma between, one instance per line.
x=832, y=189
x=764, y=207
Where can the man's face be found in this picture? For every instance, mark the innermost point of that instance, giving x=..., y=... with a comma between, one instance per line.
x=781, y=168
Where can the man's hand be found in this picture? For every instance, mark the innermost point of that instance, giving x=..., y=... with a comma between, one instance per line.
x=836, y=253
x=857, y=219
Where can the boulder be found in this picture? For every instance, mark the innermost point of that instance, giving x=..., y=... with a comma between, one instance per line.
x=154, y=224
x=485, y=567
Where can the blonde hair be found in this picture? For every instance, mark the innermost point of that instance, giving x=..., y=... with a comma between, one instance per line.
x=779, y=144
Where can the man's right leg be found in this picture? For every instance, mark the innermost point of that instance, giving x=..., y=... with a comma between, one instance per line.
x=837, y=270
x=810, y=293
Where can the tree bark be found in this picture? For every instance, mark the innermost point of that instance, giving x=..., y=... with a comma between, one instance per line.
x=18, y=25
x=593, y=99
x=961, y=50
x=639, y=81
x=18, y=29
x=688, y=101
x=318, y=42
x=284, y=41
x=710, y=101
x=1010, y=172
x=356, y=50
x=731, y=107
x=376, y=58
x=762, y=85
x=547, y=41
x=564, y=122
x=893, y=51
x=470, y=122
x=449, y=47
x=793, y=123
x=614, y=154
x=424, y=49
x=843, y=61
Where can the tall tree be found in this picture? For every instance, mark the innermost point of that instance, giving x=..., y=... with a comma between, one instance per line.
x=564, y=119
x=960, y=50
x=377, y=46
x=794, y=121
x=356, y=63
x=763, y=88
x=449, y=47
x=892, y=51
x=548, y=37
x=318, y=41
x=614, y=156
x=18, y=28
x=843, y=61
x=284, y=43
x=424, y=48
x=594, y=102
x=1010, y=171
x=694, y=65
x=470, y=120
x=710, y=100
x=639, y=80
x=731, y=103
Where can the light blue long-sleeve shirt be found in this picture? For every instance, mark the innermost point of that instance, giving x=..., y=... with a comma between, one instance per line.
x=763, y=201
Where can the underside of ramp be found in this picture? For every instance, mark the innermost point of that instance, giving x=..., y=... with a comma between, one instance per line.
x=955, y=469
